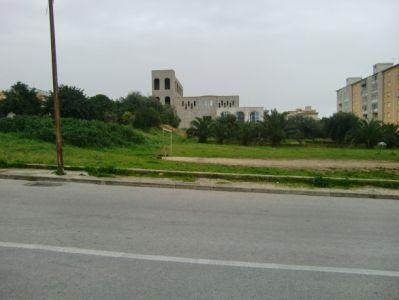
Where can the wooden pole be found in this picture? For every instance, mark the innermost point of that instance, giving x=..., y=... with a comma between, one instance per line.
x=57, y=114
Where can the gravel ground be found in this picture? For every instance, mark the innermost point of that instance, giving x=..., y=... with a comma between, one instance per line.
x=315, y=164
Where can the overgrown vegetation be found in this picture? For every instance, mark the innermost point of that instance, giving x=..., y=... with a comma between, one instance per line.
x=134, y=110
x=342, y=129
x=80, y=133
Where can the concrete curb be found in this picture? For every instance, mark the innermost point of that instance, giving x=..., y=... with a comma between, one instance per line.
x=192, y=186
x=235, y=176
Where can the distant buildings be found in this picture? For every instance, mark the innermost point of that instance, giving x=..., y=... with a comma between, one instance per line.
x=373, y=97
x=307, y=112
x=168, y=90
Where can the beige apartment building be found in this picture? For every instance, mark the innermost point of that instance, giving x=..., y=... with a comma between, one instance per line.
x=373, y=97
x=168, y=90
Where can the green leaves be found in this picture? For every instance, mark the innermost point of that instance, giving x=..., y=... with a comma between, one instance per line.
x=200, y=128
x=80, y=133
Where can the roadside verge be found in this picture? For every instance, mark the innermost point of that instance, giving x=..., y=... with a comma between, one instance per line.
x=202, y=182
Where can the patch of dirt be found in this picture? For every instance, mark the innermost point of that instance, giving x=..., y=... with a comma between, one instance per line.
x=314, y=164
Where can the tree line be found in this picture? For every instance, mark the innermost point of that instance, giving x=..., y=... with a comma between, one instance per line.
x=134, y=109
x=343, y=129
x=145, y=112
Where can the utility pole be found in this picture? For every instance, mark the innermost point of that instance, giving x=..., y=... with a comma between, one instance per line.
x=57, y=115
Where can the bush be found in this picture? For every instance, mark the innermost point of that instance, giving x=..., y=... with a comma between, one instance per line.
x=80, y=133
x=319, y=181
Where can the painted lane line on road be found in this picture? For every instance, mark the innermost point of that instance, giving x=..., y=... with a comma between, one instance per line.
x=200, y=261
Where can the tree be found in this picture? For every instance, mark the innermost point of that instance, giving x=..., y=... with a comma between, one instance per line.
x=338, y=125
x=200, y=128
x=273, y=127
x=224, y=128
x=146, y=118
x=390, y=135
x=21, y=100
x=73, y=102
x=302, y=127
x=248, y=132
x=100, y=107
x=169, y=116
x=366, y=132
x=127, y=118
x=148, y=111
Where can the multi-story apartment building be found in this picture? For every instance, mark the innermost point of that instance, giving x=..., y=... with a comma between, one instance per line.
x=168, y=89
x=372, y=97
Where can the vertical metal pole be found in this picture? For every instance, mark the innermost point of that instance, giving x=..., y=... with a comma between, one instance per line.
x=57, y=118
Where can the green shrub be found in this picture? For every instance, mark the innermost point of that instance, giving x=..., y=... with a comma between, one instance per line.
x=319, y=181
x=80, y=133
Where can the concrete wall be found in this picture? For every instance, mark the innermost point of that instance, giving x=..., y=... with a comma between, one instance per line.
x=344, y=101
x=391, y=95
x=381, y=67
x=371, y=97
x=188, y=108
x=357, y=99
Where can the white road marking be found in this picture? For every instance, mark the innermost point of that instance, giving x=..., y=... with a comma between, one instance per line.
x=200, y=261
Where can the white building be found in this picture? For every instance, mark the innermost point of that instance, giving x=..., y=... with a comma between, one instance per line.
x=169, y=91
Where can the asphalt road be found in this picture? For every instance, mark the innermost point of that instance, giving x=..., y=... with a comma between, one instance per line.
x=82, y=241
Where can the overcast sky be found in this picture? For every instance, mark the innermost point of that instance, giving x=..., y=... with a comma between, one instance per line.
x=279, y=54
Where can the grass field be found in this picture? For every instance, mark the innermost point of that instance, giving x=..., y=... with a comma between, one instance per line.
x=15, y=150
x=284, y=152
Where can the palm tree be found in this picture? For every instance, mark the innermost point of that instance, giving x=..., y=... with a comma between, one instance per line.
x=390, y=135
x=367, y=132
x=224, y=128
x=274, y=127
x=200, y=128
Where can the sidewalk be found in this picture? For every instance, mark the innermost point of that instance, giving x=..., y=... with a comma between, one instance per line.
x=199, y=184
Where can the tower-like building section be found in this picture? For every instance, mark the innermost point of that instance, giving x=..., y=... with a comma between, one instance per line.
x=166, y=87
x=169, y=91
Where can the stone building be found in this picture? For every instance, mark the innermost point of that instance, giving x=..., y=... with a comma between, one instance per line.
x=373, y=97
x=168, y=90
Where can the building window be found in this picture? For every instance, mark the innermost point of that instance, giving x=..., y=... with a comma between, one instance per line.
x=195, y=103
x=158, y=98
x=240, y=116
x=167, y=84
x=156, y=84
x=167, y=100
x=224, y=114
x=182, y=103
x=254, y=116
